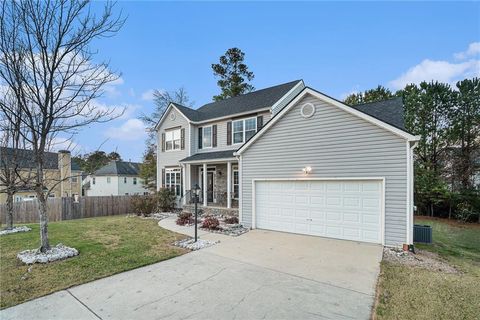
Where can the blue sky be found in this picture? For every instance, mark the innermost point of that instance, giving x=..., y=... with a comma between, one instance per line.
x=337, y=48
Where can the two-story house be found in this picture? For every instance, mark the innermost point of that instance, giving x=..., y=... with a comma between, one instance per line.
x=116, y=178
x=292, y=159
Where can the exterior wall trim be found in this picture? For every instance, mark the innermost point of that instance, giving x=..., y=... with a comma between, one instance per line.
x=381, y=179
x=320, y=96
x=300, y=83
x=170, y=106
x=222, y=160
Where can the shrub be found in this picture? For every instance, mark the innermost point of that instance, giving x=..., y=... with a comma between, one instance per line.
x=184, y=218
x=211, y=223
x=166, y=199
x=231, y=220
x=144, y=205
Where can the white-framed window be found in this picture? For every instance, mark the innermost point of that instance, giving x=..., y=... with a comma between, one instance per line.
x=173, y=181
x=124, y=179
x=93, y=180
x=74, y=179
x=172, y=140
x=236, y=183
x=109, y=179
x=207, y=137
x=244, y=129
x=134, y=180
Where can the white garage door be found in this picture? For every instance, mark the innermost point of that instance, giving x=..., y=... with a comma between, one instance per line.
x=350, y=210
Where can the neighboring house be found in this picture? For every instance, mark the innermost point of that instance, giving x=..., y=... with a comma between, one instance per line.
x=62, y=175
x=115, y=179
x=289, y=158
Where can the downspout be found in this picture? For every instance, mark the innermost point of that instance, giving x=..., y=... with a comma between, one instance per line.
x=412, y=146
x=240, y=187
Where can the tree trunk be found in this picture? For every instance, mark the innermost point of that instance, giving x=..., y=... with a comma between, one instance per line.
x=431, y=209
x=42, y=210
x=9, y=217
x=450, y=210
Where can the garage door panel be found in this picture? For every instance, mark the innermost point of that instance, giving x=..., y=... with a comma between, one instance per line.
x=340, y=209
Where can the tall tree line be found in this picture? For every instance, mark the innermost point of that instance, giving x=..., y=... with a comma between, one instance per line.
x=447, y=158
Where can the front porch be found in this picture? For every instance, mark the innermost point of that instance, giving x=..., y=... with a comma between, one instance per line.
x=218, y=180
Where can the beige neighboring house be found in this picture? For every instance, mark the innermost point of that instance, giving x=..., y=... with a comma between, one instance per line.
x=61, y=174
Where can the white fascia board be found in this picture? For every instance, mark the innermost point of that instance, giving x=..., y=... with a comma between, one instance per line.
x=234, y=115
x=321, y=96
x=300, y=83
x=170, y=106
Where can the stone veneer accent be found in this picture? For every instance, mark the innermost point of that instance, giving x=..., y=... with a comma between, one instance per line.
x=213, y=211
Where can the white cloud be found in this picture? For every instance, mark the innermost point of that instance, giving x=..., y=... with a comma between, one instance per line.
x=473, y=50
x=354, y=90
x=111, y=89
x=131, y=130
x=440, y=70
x=61, y=143
x=117, y=109
x=148, y=95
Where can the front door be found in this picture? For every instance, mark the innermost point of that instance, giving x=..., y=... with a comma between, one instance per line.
x=209, y=186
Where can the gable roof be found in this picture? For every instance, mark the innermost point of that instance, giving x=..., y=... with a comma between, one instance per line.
x=119, y=168
x=307, y=90
x=390, y=111
x=26, y=159
x=245, y=103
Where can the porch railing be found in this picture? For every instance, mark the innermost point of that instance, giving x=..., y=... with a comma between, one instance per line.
x=214, y=198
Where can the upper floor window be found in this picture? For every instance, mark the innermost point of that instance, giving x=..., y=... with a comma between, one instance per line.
x=207, y=137
x=74, y=179
x=93, y=180
x=173, y=140
x=244, y=129
x=124, y=179
x=109, y=179
x=134, y=180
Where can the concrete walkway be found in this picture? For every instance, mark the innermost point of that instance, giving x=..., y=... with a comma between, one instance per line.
x=259, y=275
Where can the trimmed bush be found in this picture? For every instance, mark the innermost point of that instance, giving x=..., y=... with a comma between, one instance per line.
x=144, y=205
x=184, y=218
x=211, y=223
x=231, y=220
x=166, y=199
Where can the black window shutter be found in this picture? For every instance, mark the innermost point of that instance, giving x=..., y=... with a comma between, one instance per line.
x=182, y=138
x=229, y=133
x=163, y=178
x=214, y=135
x=163, y=141
x=259, y=122
x=200, y=137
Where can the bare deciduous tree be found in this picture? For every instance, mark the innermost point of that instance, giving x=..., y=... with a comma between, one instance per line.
x=47, y=62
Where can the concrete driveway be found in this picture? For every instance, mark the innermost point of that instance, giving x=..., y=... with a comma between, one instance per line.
x=259, y=275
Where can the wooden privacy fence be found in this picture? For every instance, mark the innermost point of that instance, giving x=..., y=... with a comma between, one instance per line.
x=68, y=209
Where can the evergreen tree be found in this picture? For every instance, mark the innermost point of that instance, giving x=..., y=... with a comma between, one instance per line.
x=378, y=94
x=233, y=74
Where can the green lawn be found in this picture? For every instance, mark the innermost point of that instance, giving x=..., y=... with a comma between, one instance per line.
x=107, y=245
x=416, y=293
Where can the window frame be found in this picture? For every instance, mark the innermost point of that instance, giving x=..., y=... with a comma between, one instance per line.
x=109, y=179
x=134, y=180
x=172, y=140
x=174, y=184
x=211, y=137
x=124, y=180
x=93, y=180
x=244, y=120
x=235, y=170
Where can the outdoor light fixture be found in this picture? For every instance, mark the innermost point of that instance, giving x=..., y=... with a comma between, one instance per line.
x=196, y=190
x=307, y=170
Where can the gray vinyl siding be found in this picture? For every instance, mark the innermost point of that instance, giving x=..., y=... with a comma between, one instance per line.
x=221, y=135
x=171, y=158
x=288, y=98
x=334, y=143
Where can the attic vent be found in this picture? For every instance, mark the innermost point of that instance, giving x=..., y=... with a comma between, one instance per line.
x=172, y=116
x=307, y=110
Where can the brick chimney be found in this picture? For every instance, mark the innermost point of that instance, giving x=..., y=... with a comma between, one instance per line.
x=65, y=168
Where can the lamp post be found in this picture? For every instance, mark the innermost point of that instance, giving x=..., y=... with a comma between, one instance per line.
x=196, y=189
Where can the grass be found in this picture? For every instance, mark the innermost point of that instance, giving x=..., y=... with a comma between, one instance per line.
x=107, y=245
x=413, y=293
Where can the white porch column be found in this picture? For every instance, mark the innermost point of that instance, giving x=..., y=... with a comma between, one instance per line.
x=184, y=184
x=229, y=184
x=204, y=187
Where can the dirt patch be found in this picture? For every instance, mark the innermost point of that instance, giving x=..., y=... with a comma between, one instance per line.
x=421, y=258
x=108, y=240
